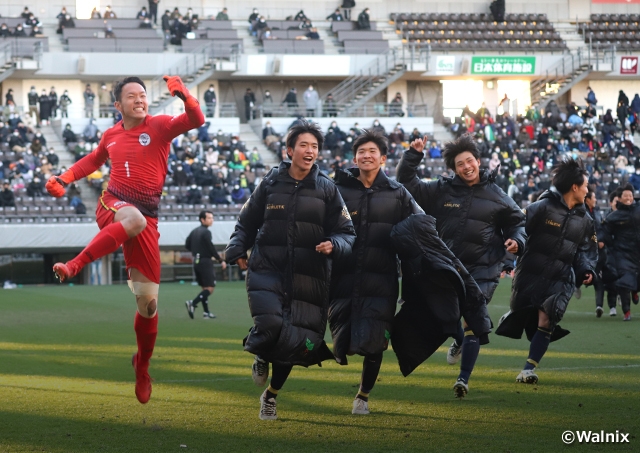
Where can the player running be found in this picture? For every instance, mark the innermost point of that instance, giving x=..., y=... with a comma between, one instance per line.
x=127, y=214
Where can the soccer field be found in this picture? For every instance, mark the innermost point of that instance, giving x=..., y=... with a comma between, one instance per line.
x=67, y=385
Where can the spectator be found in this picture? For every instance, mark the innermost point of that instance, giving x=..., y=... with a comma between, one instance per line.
x=45, y=107
x=363, y=20
x=35, y=188
x=591, y=97
x=68, y=22
x=109, y=14
x=25, y=13
x=218, y=195
x=260, y=27
x=249, y=103
x=146, y=23
x=268, y=131
x=395, y=108
x=623, y=98
x=108, y=32
x=53, y=99
x=267, y=104
x=634, y=179
x=523, y=137
x=300, y=16
x=36, y=32
x=621, y=112
x=61, y=14
x=68, y=135
x=9, y=96
x=330, y=109
x=95, y=13
x=176, y=14
x=346, y=7
x=90, y=131
x=291, y=101
x=19, y=32
x=305, y=25
x=105, y=99
x=239, y=195
x=311, y=99
x=336, y=16
x=65, y=102
x=142, y=13
x=253, y=18
x=89, y=97
x=434, y=151
x=222, y=15
x=7, y=199
x=377, y=127
x=153, y=11
x=4, y=31
x=255, y=160
x=313, y=34
x=166, y=23
x=193, y=195
x=210, y=101
x=33, y=99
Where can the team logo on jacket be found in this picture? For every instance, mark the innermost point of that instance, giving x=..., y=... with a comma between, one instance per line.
x=345, y=213
x=144, y=139
x=451, y=205
x=552, y=223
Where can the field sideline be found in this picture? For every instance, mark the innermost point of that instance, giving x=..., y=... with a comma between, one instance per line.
x=66, y=384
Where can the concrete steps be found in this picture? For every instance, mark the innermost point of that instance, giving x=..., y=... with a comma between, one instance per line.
x=67, y=159
x=252, y=140
x=249, y=43
x=569, y=34
x=441, y=133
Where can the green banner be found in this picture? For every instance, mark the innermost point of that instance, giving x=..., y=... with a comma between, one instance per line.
x=503, y=65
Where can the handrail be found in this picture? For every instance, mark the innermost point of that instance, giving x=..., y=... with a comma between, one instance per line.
x=6, y=53
x=368, y=109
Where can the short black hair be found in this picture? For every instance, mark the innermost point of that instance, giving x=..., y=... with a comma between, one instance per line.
x=304, y=127
x=590, y=191
x=567, y=173
x=626, y=187
x=369, y=135
x=203, y=214
x=458, y=146
x=613, y=194
x=117, y=91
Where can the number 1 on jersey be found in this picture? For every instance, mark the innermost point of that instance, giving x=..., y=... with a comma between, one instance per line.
x=126, y=165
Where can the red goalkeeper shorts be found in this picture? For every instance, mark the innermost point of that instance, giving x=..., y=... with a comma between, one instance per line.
x=141, y=252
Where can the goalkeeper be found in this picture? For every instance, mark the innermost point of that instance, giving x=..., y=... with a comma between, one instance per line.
x=127, y=212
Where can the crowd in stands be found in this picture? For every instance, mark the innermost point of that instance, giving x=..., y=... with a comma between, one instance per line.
x=29, y=28
x=525, y=147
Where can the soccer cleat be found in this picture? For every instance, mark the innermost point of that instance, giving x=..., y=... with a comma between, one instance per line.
x=207, y=315
x=635, y=298
x=143, y=382
x=259, y=372
x=527, y=377
x=613, y=312
x=599, y=312
x=460, y=388
x=578, y=293
x=190, y=308
x=454, y=353
x=267, y=407
x=360, y=407
x=627, y=316
x=65, y=271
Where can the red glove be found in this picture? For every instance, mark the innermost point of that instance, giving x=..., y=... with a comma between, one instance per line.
x=56, y=184
x=176, y=88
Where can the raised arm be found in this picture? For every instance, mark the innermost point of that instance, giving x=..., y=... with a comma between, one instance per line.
x=407, y=175
x=192, y=117
x=84, y=167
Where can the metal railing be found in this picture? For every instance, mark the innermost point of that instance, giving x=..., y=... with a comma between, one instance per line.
x=369, y=109
x=6, y=53
x=394, y=59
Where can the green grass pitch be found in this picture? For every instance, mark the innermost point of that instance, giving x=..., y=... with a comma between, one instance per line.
x=66, y=384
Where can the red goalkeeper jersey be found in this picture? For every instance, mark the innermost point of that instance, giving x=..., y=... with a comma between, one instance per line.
x=139, y=157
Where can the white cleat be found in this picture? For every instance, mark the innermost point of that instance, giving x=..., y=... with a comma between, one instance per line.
x=527, y=377
x=360, y=407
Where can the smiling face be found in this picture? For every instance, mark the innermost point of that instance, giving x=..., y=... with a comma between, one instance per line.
x=304, y=153
x=580, y=192
x=133, y=102
x=368, y=157
x=467, y=167
x=626, y=197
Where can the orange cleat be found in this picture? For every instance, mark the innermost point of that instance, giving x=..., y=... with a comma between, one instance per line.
x=65, y=271
x=143, y=382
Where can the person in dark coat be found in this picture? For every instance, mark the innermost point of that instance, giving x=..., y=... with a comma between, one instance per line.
x=7, y=199
x=598, y=283
x=365, y=284
x=363, y=20
x=45, y=107
x=621, y=235
x=296, y=224
x=346, y=7
x=249, y=103
x=475, y=219
x=560, y=254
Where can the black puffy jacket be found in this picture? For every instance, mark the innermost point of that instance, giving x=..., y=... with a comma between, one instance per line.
x=621, y=235
x=288, y=281
x=561, y=250
x=474, y=221
x=365, y=284
x=436, y=289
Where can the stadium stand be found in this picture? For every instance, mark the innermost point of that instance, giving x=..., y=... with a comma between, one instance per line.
x=605, y=30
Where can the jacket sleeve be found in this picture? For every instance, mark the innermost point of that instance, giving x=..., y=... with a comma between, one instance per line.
x=187, y=243
x=513, y=224
x=409, y=205
x=407, y=175
x=584, y=262
x=338, y=225
x=249, y=221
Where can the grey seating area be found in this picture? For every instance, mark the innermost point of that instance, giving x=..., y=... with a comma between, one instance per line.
x=365, y=47
x=216, y=34
x=27, y=47
x=140, y=45
x=453, y=31
x=12, y=22
x=222, y=48
x=127, y=33
x=360, y=35
x=283, y=24
x=348, y=26
x=103, y=23
x=606, y=30
x=293, y=46
x=215, y=25
x=287, y=34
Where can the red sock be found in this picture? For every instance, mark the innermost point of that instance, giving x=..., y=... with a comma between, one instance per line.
x=108, y=240
x=146, y=332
